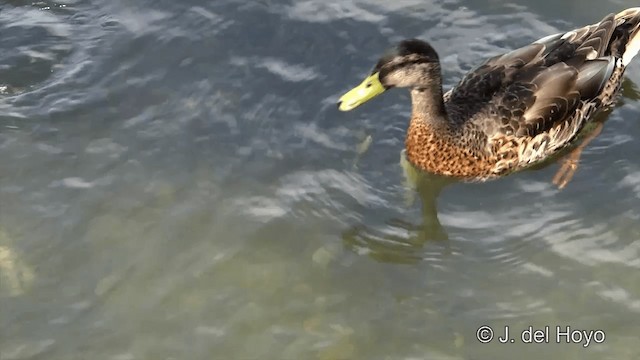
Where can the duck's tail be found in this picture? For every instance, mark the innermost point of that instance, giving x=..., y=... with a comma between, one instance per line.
x=627, y=34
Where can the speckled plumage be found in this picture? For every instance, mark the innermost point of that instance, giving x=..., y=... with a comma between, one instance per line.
x=517, y=109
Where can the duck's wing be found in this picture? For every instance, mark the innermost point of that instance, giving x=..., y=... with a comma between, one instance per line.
x=548, y=87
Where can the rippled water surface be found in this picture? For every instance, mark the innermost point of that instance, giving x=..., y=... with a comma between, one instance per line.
x=176, y=183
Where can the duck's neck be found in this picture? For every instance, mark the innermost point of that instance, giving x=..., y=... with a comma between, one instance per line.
x=428, y=105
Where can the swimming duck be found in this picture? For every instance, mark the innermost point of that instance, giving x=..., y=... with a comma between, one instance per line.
x=514, y=110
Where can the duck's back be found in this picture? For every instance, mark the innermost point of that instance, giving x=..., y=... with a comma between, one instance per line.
x=518, y=108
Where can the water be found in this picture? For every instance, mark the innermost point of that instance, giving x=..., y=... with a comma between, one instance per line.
x=176, y=183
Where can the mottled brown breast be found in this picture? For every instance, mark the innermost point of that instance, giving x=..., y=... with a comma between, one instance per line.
x=437, y=150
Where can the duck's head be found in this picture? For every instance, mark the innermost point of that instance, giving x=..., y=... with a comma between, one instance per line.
x=411, y=63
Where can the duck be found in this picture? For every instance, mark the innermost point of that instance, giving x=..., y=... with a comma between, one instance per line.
x=512, y=111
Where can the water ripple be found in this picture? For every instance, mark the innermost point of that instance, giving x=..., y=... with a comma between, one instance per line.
x=177, y=170
x=40, y=41
x=327, y=11
x=288, y=72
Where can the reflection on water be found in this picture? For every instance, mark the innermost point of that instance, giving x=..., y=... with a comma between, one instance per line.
x=400, y=241
x=175, y=182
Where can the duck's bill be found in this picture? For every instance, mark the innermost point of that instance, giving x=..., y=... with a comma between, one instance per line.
x=370, y=88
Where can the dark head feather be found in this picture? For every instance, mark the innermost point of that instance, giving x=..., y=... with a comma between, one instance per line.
x=410, y=48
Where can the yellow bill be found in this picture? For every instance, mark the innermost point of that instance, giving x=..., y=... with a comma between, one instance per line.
x=370, y=88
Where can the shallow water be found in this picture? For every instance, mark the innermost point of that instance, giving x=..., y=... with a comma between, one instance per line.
x=176, y=183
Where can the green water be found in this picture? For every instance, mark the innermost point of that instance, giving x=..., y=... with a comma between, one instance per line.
x=177, y=183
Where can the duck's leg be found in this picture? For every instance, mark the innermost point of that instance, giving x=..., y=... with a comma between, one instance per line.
x=570, y=162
